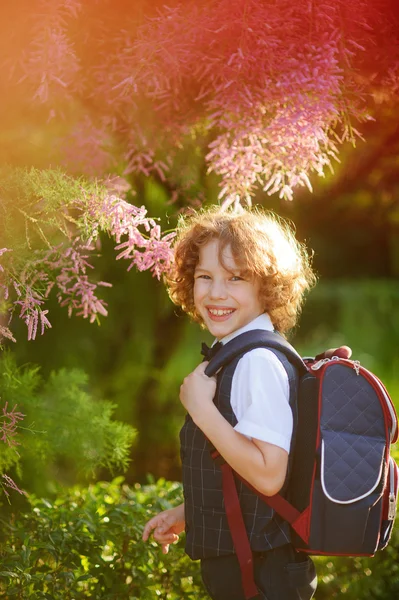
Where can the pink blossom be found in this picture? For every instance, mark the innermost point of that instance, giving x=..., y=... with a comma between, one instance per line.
x=44, y=322
x=6, y=291
x=75, y=291
x=9, y=425
x=145, y=249
x=10, y=483
x=5, y=332
x=30, y=312
x=8, y=429
x=5, y=288
x=3, y=250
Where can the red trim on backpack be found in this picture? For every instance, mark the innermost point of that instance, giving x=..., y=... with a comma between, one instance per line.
x=377, y=384
x=395, y=438
x=373, y=380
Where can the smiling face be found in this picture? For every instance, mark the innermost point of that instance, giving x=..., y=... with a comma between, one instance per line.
x=224, y=296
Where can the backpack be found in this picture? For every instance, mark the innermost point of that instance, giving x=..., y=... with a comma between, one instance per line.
x=342, y=492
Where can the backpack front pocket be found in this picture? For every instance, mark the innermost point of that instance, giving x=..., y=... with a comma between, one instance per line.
x=351, y=466
x=346, y=514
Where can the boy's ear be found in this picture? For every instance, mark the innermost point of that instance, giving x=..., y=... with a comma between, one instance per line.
x=341, y=352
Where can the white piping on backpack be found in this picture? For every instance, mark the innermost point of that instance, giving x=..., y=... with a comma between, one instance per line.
x=323, y=485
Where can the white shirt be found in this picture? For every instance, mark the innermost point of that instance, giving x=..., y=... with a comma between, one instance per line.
x=260, y=392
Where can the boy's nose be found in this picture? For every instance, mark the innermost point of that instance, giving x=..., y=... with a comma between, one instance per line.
x=218, y=290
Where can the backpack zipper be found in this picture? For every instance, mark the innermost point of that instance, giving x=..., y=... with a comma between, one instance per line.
x=355, y=364
x=323, y=361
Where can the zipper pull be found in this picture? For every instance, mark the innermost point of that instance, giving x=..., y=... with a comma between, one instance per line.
x=319, y=364
x=391, y=507
x=356, y=366
x=392, y=495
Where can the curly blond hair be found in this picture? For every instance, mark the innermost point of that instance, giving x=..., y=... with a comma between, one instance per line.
x=262, y=244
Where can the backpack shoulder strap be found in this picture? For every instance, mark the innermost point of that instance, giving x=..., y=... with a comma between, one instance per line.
x=257, y=338
x=237, y=346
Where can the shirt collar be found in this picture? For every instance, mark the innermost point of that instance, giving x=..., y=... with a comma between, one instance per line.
x=261, y=322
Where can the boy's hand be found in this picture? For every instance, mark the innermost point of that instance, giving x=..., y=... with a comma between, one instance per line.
x=166, y=527
x=342, y=352
x=197, y=391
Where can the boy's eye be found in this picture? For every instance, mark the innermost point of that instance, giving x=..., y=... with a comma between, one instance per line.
x=237, y=278
x=202, y=277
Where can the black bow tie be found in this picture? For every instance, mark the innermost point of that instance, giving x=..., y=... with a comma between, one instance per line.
x=209, y=353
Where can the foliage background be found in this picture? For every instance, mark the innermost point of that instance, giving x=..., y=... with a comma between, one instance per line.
x=118, y=382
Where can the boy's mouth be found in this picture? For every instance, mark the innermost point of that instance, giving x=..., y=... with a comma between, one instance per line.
x=219, y=314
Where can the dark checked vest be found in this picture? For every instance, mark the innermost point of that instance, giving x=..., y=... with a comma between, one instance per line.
x=207, y=530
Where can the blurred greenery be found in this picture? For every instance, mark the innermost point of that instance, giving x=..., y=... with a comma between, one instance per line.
x=62, y=424
x=87, y=544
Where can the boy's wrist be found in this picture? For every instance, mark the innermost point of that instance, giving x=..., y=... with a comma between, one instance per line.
x=205, y=415
x=179, y=509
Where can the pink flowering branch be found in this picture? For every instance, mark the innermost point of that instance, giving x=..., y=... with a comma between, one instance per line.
x=145, y=247
x=9, y=420
x=275, y=87
x=6, y=333
x=8, y=425
x=270, y=84
x=75, y=290
x=146, y=250
x=3, y=287
x=277, y=145
x=29, y=301
x=66, y=267
x=50, y=64
x=32, y=313
x=10, y=483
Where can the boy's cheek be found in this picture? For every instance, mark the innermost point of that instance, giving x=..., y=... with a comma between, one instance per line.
x=197, y=297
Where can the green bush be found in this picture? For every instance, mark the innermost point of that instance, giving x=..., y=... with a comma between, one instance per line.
x=350, y=578
x=65, y=427
x=87, y=544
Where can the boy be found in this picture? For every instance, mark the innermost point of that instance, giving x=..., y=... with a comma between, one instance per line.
x=234, y=272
